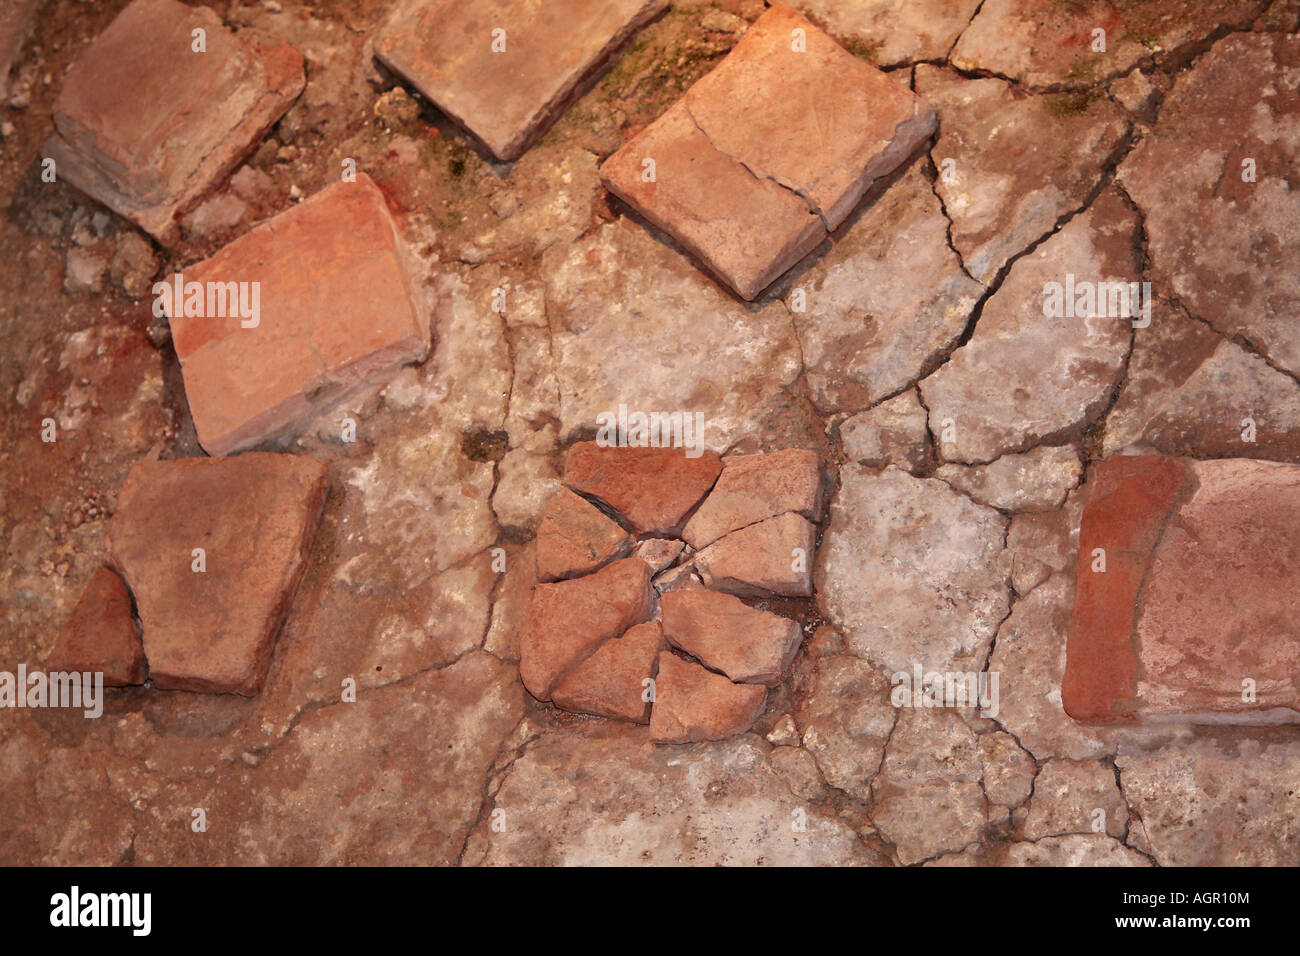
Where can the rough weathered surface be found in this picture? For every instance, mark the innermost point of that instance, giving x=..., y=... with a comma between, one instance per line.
x=619, y=296
x=846, y=718
x=575, y=537
x=1074, y=849
x=653, y=488
x=912, y=571
x=750, y=192
x=1038, y=480
x=1029, y=657
x=693, y=704
x=568, y=620
x=1220, y=798
x=1067, y=796
x=611, y=682
x=775, y=555
x=894, y=32
x=255, y=517
x=1229, y=263
x=577, y=799
x=885, y=302
x=1043, y=43
x=658, y=553
x=746, y=644
x=1008, y=769
x=1189, y=391
x=1199, y=593
x=754, y=487
x=1024, y=377
x=1059, y=144
x=891, y=433
x=205, y=112
x=928, y=799
x=508, y=93
x=102, y=636
x=338, y=312
x=15, y=22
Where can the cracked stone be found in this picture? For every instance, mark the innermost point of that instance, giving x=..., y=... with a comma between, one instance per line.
x=885, y=302
x=611, y=682
x=1074, y=849
x=337, y=314
x=892, y=433
x=1038, y=480
x=1151, y=636
x=1008, y=769
x=510, y=603
x=524, y=482
x=102, y=636
x=1067, y=796
x=628, y=317
x=1043, y=43
x=255, y=517
x=694, y=704
x=1228, y=263
x=754, y=487
x=894, y=33
x=741, y=190
x=1025, y=377
x=659, y=553
x=1137, y=94
x=1029, y=658
x=784, y=733
x=773, y=555
x=846, y=718
x=653, y=488
x=746, y=644
x=1060, y=145
x=575, y=537
x=568, y=620
x=1044, y=543
x=1191, y=392
x=912, y=571
x=1220, y=798
x=927, y=796
x=577, y=799
x=209, y=111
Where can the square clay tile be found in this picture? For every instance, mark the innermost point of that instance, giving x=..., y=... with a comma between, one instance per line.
x=146, y=124
x=338, y=312
x=769, y=152
x=506, y=69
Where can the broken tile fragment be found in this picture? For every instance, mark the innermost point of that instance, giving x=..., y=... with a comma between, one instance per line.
x=746, y=644
x=659, y=553
x=1186, y=594
x=506, y=69
x=213, y=549
x=102, y=636
x=613, y=681
x=575, y=537
x=146, y=124
x=891, y=33
x=331, y=309
x=568, y=620
x=653, y=488
x=692, y=703
x=754, y=487
x=750, y=192
x=774, y=555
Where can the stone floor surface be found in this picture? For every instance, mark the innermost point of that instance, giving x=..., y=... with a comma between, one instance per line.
x=430, y=598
